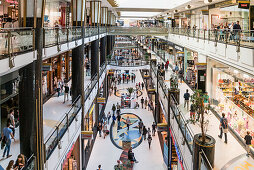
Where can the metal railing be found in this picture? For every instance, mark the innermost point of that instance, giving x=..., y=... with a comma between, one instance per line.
x=204, y=163
x=137, y=31
x=30, y=164
x=182, y=123
x=14, y=41
x=128, y=63
x=62, y=127
x=234, y=37
x=94, y=81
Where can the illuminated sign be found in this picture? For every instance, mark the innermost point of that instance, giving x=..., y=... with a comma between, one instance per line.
x=244, y=4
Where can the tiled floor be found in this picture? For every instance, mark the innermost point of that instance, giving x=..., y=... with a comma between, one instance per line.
x=148, y=159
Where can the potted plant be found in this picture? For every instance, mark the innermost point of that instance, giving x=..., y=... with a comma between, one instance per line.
x=202, y=141
x=130, y=90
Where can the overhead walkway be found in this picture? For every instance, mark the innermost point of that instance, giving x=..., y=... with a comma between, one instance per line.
x=153, y=31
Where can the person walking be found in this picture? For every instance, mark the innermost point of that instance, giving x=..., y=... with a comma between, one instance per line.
x=114, y=118
x=142, y=102
x=105, y=129
x=144, y=132
x=115, y=88
x=149, y=139
x=118, y=111
x=66, y=92
x=59, y=86
x=7, y=135
x=223, y=127
x=11, y=120
x=186, y=97
x=99, y=167
x=128, y=122
x=108, y=117
x=99, y=128
x=137, y=93
x=114, y=108
x=154, y=128
x=140, y=126
x=142, y=85
x=118, y=120
x=149, y=131
x=248, y=139
x=146, y=103
x=139, y=85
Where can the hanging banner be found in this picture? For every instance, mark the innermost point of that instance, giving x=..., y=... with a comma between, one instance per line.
x=101, y=100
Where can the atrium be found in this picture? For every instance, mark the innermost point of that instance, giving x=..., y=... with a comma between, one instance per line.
x=127, y=85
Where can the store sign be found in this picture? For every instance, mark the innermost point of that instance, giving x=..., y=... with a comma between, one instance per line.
x=101, y=100
x=162, y=127
x=151, y=91
x=178, y=48
x=46, y=67
x=244, y=4
x=201, y=66
x=86, y=134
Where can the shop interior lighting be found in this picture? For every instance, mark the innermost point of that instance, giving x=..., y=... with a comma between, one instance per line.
x=245, y=76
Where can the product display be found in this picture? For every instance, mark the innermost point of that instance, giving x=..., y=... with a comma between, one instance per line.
x=236, y=101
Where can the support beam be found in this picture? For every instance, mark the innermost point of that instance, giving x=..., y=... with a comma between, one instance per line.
x=140, y=10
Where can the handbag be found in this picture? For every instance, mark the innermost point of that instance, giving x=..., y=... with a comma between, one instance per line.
x=225, y=130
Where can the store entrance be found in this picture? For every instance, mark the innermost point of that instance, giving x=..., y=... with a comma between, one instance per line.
x=9, y=14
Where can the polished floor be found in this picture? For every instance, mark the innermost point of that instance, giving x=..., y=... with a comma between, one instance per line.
x=106, y=154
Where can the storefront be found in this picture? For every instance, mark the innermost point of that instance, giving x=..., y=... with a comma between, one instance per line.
x=72, y=159
x=9, y=86
x=228, y=15
x=9, y=13
x=53, y=70
x=57, y=13
x=233, y=92
x=190, y=71
x=178, y=57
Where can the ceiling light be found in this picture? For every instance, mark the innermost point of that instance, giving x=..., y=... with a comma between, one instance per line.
x=175, y=11
x=208, y=1
x=188, y=7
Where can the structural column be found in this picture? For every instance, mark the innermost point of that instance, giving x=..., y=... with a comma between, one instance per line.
x=77, y=69
x=78, y=10
x=94, y=57
x=108, y=45
x=103, y=50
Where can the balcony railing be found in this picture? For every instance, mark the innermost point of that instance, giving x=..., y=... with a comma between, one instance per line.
x=128, y=63
x=235, y=37
x=62, y=127
x=30, y=164
x=138, y=31
x=15, y=41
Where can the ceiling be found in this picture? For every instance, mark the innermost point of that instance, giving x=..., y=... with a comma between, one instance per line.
x=140, y=8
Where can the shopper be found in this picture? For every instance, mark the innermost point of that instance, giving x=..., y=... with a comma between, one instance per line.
x=118, y=120
x=237, y=29
x=131, y=156
x=114, y=108
x=140, y=126
x=142, y=102
x=144, y=132
x=223, y=127
x=118, y=111
x=186, y=99
x=248, y=139
x=10, y=165
x=59, y=86
x=137, y=93
x=146, y=102
x=115, y=88
x=99, y=167
x=128, y=122
x=99, y=128
x=142, y=85
x=105, y=130
x=66, y=92
x=149, y=139
x=108, y=117
x=11, y=120
x=6, y=137
x=148, y=131
x=154, y=128
x=192, y=113
x=20, y=162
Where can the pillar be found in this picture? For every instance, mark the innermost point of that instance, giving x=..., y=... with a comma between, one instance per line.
x=94, y=57
x=103, y=50
x=27, y=110
x=77, y=69
x=78, y=12
x=67, y=65
x=95, y=12
x=108, y=45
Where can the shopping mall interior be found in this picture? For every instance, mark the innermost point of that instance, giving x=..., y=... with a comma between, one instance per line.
x=122, y=85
